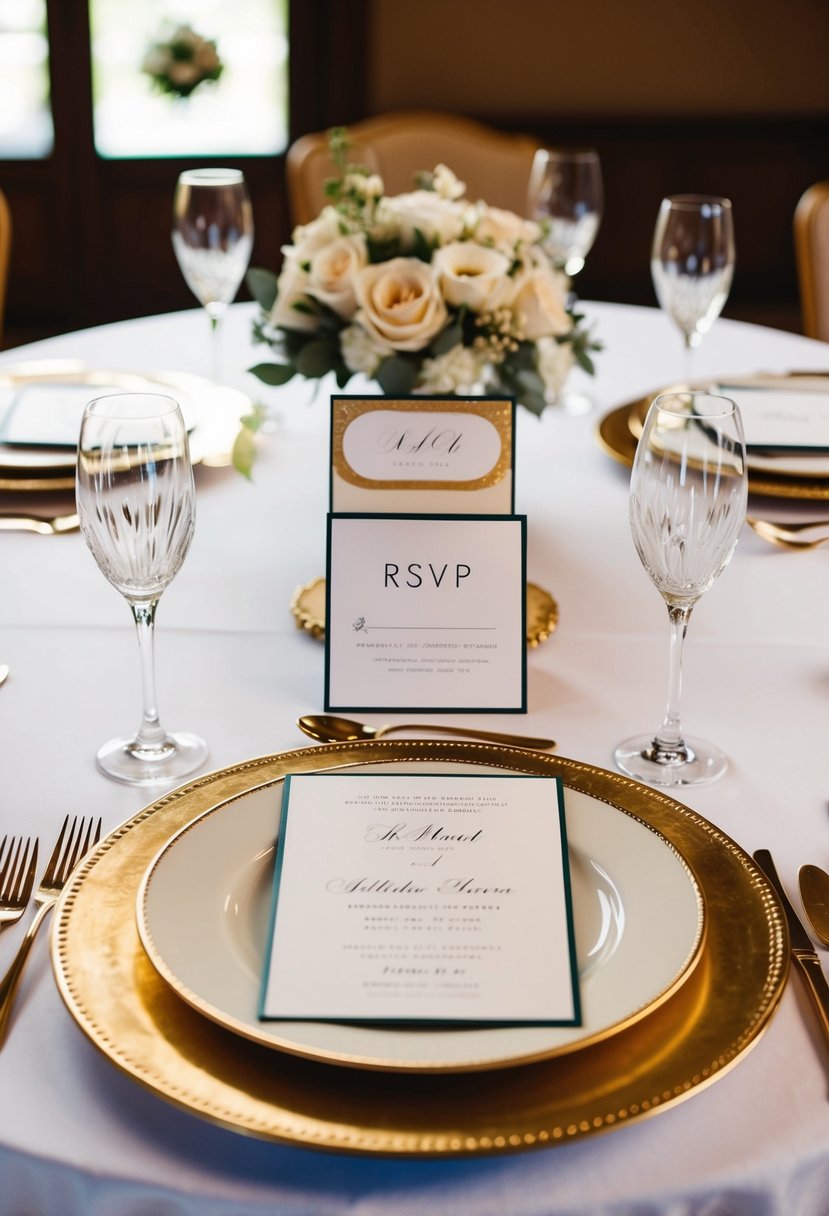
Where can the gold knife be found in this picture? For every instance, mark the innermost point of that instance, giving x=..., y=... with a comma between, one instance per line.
x=804, y=954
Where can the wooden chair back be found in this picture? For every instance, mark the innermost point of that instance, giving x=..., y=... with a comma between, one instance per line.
x=495, y=166
x=811, y=243
x=5, y=253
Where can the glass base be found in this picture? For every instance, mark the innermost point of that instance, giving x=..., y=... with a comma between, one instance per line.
x=128, y=761
x=575, y=405
x=696, y=763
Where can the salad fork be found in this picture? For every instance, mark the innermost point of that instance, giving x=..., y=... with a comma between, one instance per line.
x=82, y=835
x=17, y=877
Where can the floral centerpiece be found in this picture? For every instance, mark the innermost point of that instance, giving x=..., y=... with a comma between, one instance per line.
x=181, y=62
x=421, y=292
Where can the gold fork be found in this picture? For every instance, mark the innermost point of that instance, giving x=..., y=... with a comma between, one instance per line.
x=46, y=526
x=17, y=877
x=83, y=834
x=791, y=535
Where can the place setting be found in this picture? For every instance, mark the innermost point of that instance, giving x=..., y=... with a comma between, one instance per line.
x=785, y=413
x=411, y=948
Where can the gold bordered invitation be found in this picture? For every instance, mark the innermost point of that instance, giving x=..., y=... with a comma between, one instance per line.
x=417, y=454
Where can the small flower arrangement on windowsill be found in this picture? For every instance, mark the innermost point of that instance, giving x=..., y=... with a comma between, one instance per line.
x=181, y=62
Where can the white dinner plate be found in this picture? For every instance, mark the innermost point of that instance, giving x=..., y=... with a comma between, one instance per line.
x=204, y=905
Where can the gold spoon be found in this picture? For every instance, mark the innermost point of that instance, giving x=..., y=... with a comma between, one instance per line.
x=38, y=523
x=329, y=729
x=814, y=891
x=790, y=535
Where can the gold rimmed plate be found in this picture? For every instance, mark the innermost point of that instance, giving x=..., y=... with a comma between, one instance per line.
x=212, y=883
x=133, y=1016
x=211, y=411
x=308, y=610
x=616, y=435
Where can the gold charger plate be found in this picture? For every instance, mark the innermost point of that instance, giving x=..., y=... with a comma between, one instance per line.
x=615, y=437
x=211, y=410
x=115, y=995
x=308, y=610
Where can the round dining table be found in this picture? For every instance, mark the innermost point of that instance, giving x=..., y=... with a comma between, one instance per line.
x=78, y=1136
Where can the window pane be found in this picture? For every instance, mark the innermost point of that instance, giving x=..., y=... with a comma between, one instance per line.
x=26, y=131
x=244, y=112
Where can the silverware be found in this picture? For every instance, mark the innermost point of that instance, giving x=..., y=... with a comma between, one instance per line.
x=83, y=834
x=53, y=525
x=791, y=535
x=804, y=954
x=814, y=891
x=17, y=877
x=326, y=728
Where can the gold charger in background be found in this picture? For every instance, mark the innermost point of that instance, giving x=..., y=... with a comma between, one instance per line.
x=212, y=411
x=308, y=610
x=120, y=1002
x=617, y=434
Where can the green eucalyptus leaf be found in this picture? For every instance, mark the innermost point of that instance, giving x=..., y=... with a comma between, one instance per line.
x=584, y=360
x=273, y=373
x=422, y=247
x=244, y=452
x=397, y=375
x=451, y=336
x=262, y=286
x=317, y=358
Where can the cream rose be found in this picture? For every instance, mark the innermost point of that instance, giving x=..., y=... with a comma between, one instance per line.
x=504, y=229
x=473, y=275
x=308, y=239
x=439, y=219
x=333, y=272
x=399, y=303
x=540, y=302
x=292, y=290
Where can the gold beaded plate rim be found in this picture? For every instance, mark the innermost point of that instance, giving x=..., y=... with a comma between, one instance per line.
x=119, y=1001
x=308, y=610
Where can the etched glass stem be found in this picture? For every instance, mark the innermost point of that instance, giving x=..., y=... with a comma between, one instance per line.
x=151, y=735
x=669, y=736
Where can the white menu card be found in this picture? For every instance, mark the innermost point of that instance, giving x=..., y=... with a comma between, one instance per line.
x=422, y=898
x=426, y=612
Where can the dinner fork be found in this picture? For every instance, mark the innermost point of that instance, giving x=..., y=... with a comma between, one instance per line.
x=17, y=877
x=82, y=835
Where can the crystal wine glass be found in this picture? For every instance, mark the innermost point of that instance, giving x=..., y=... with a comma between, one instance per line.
x=136, y=502
x=688, y=494
x=213, y=240
x=566, y=197
x=692, y=264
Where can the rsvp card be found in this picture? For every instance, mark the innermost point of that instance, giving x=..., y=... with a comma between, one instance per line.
x=423, y=455
x=426, y=612
x=422, y=898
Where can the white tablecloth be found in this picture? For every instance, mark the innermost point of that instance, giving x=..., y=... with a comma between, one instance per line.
x=79, y=1139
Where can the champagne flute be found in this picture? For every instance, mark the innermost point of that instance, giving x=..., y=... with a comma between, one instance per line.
x=136, y=503
x=688, y=493
x=566, y=198
x=692, y=264
x=213, y=240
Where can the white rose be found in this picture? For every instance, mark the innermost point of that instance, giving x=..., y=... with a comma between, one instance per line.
x=292, y=289
x=307, y=239
x=446, y=184
x=540, y=298
x=458, y=371
x=474, y=275
x=359, y=350
x=504, y=229
x=439, y=219
x=400, y=304
x=333, y=272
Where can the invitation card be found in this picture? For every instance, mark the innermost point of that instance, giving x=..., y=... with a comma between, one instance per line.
x=422, y=898
x=423, y=455
x=426, y=612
